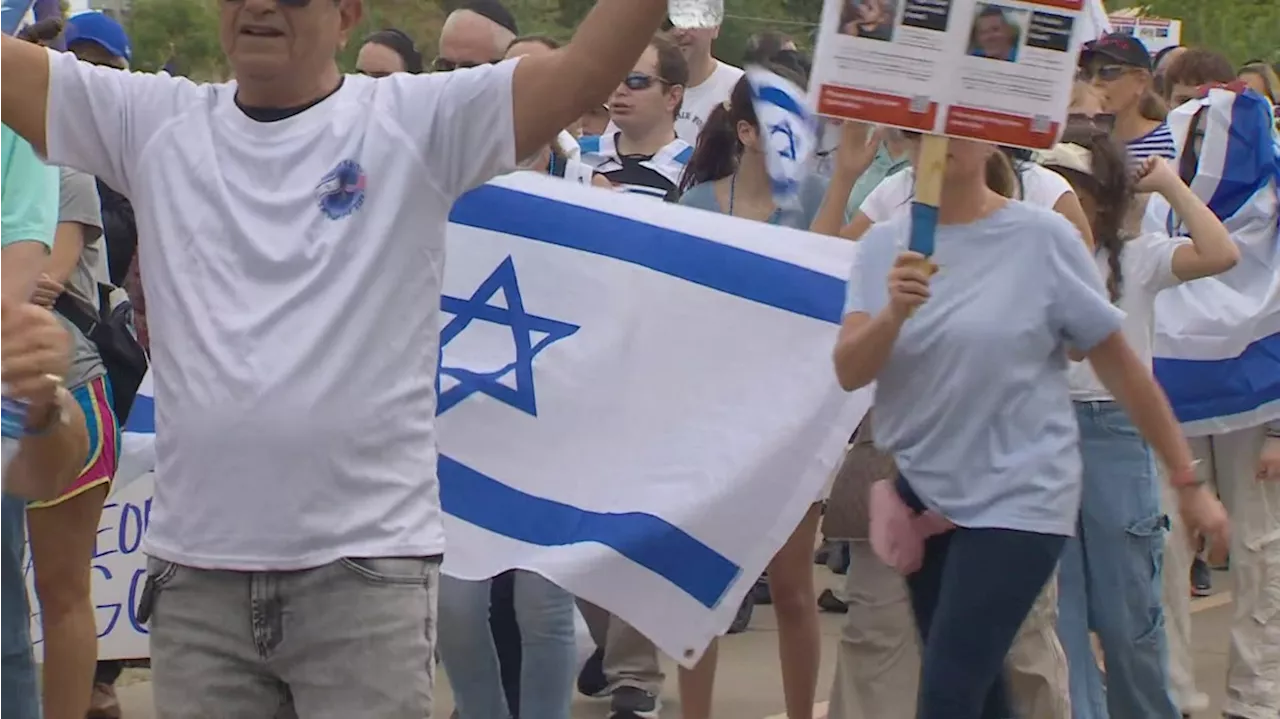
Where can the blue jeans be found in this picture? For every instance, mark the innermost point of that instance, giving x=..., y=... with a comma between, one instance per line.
x=19, y=692
x=970, y=596
x=548, y=663
x=1109, y=581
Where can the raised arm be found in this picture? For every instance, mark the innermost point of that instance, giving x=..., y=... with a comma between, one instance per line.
x=1211, y=250
x=552, y=90
x=24, y=90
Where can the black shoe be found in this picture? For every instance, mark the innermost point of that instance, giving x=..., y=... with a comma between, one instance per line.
x=742, y=619
x=828, y=602
x=1201, y=578
x=591, y=680
x=633, y=703
x=838, y=560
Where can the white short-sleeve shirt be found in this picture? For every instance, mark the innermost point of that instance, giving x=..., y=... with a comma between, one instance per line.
x=1146, y=269
x=293, y=274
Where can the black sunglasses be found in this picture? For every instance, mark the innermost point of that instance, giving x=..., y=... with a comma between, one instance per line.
x=641, y=81
x=1104, y=121
x=1106, y=73
x=444, y=64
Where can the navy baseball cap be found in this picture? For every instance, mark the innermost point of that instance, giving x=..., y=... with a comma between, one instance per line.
x=1118, y=47
x=100, y=29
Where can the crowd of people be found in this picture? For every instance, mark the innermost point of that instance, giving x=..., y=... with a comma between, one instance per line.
x=1000, y=518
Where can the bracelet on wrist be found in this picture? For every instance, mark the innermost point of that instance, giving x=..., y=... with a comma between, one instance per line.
x=1187, y=477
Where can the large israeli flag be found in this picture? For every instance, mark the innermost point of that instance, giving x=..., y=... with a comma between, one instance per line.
x=1217, y=349
x=636, y=399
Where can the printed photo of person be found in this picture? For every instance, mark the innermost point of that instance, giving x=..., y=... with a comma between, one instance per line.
x=871, y=19
x=997, y=32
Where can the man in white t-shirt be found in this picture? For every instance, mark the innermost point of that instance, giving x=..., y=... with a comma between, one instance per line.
x=292, y=229
x=710, y=81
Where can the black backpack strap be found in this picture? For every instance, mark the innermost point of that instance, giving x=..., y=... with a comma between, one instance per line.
x=83, y=319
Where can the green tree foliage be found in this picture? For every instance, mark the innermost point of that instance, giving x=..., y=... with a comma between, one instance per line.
x=181, y=30
x=1241, y=29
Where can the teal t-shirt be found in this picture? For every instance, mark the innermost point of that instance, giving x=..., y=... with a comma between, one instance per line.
x=28, y=193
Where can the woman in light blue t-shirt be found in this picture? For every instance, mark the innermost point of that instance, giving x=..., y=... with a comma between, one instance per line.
x=972, y=400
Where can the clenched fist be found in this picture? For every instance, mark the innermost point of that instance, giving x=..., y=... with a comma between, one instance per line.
x=35, y=352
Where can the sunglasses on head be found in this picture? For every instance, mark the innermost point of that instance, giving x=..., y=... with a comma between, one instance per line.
x=444, y=64
x=641, y=81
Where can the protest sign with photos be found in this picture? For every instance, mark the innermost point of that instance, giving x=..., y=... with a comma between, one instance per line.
x=1157, y=33
x=993, y=71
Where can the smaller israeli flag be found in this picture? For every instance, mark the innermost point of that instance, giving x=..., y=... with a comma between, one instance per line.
x=789, y=127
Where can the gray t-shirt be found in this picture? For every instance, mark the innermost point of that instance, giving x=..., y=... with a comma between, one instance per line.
x=973, y=402
x=78, y=202
x=812, y=189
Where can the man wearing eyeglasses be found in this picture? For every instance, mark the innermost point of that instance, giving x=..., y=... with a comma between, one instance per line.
x=641, y=152
x=477, y=34
x=292, y=228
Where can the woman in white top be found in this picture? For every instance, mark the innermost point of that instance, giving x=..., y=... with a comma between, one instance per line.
x=1110, y=580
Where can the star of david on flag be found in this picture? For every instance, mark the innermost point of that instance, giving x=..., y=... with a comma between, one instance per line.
x=520, y=393
x=791, y=129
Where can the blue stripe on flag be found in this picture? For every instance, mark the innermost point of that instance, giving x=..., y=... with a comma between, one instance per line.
x=649, y=541
x=1245, y=170
x=778, y=96
x=694, y=259
x=1204, y=389
x=142, y=416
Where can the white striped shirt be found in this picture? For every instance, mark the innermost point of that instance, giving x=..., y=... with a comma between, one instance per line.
x=1158, y=143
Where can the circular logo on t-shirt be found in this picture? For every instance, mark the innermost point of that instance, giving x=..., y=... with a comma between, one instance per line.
x=341, y=191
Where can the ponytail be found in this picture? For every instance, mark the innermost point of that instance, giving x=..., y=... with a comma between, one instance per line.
x=1001, y=178
x=716, y=154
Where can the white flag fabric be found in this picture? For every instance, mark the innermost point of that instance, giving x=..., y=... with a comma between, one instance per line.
x=1217, y=347
x=636, y=399
x=1094, y=22
x=790, y=128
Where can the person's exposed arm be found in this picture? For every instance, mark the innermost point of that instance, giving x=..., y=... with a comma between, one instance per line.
x=857, y=227
x=21, y=267
x=863, y=347
x=24, y=90
x=46, y=463
x=1211, y=250
x=1068, y=205
x=857, y=151
x=36, y=355
x=68, y=243
x=79, y=223
x=551, y=91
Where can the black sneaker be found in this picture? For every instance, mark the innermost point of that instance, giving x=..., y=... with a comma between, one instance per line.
x=1201, y=578
x=742, y=619
x=591, y=680
x=829, y=602
x=633, y=703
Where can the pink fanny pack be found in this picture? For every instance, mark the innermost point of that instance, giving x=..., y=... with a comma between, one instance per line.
x=897, y=533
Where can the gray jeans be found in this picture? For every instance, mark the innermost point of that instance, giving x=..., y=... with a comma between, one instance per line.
x=353, y=638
